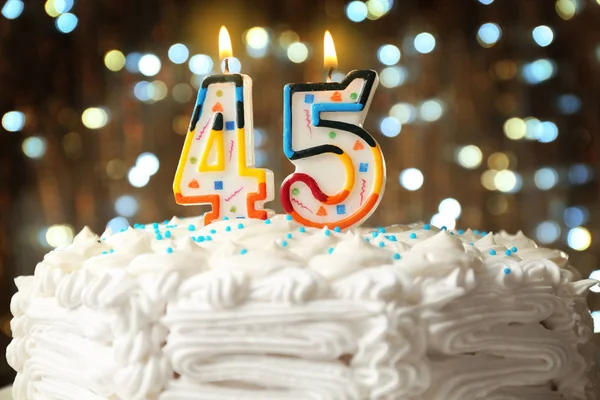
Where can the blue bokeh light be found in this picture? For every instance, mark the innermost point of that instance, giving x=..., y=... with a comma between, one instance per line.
x=488, y=34
x=126, y=205
x=132, y=62
x=63, y=6
x=548, y=231
x=569, y=104
x=390, y=126
x=538, y=71
x=388, y=54
x=580, y=174
x=12, y=9
x=117, y=224
x=66, y=23
x=542, y=35
x=575, y=216
x=357, y=11
x=546, y=132
x=424, y=43
x=178, y=53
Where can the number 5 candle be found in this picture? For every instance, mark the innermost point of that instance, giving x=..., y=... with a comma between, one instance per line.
x=217, y=162
x=340, y=169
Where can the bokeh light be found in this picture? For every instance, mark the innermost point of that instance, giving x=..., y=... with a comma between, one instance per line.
x=411, y=179
x=59, y=235
x=403, y=112
x=94, y=117
x=114, y=60
x=488, y=179
x=538, y=71
x=488, y=34
x=148, y=163
x=547, y=232
x=178, y=53
x=596, y=289
x=141, y=91
x=595, y=314
x=66, y=23
x=63, y=6
x=542, y=35
x=378, y=8
x=566, y=9
x=515, y=128
x=391, y=77
x=13, y=121
x=486, y=2
x=575, y=216
x=132, y=61
x=390, y=126
x=117, y=224
x=297, y=52
x=234, y=64
x=137, y=177
x=424, y=42
x=259, y=137
x=441, y=220
x=505, y=180
x=182, y=92
x=260, y=157
x=469, y=156
x=257, y=38
x=580, y=174
x=126, y=206
x=450, y=207
x=287, y=38
x=569, y=104
x=546, y=132
x=431, y=110
x=12, y=9
x=388, y=54
x=34, y=147
x=200, y=64
x=498, y=161
x=545, y=178
x=149, y=64
x=356, y=11
x=579, y=238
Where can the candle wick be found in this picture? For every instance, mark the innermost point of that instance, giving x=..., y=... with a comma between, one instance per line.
x=226, y=65
x=329, y=73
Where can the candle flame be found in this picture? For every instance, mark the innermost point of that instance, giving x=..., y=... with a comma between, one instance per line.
x=224, y=44
x=330, y=59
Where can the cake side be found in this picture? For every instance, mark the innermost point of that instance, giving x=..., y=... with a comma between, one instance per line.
x=274, y=310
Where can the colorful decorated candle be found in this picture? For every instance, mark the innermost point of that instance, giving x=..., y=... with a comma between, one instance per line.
x=340, y=169
x=217, y=162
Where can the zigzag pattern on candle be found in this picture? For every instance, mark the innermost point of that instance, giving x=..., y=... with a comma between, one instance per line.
x=234, y=194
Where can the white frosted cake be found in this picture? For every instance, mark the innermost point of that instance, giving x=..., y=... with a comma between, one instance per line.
x=251, y=309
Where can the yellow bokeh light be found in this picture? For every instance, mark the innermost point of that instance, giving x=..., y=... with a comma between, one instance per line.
x=498, y=161
x=114, y=60
x=257, y=38
x=59, y=235
x=297, y=52
x=566, y=9
x=488, y=178
x=579, y=238
x=469, y=156
x=377, y=8
x=505, y=180
x=94, y=118
x=287, y=38
x=51, y=9
x=515, y=128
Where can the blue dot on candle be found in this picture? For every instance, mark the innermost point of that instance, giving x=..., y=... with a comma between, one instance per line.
x=492, y=252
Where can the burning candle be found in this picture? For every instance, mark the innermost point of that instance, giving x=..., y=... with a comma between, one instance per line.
x=216, y=166
x=340, y=170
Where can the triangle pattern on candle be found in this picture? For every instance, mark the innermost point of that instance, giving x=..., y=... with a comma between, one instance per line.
x=322, y=212
x=337, y=96
x=218, y=107
x=194, y=184
x=358, y=145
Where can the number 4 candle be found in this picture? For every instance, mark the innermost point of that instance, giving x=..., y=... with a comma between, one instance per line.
x=340, y=169
x=217, y=163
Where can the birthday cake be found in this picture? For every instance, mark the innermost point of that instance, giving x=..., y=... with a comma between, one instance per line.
x=252, y=309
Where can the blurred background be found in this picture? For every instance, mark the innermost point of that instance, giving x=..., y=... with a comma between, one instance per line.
x=488, y=111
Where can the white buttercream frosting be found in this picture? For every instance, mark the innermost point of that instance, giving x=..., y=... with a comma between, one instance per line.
x=271, y=310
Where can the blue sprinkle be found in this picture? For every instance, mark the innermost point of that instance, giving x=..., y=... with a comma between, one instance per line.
x=367, y=239
x=157, y=231
x=289, y=235
x=413, y=235
x=136, y=225
x=208, y=238
x=444, y=228
x=200, y=239
x=337, y=229
x=471, y=244
x=507, y=271
x=111, y=251
x=155, y=225
x=283, y=243
x=143, y=226
x=267, y=221
x=508, y=252
x=194, y=239
x=396, y=256
x=327, y=232
x=461, y=232
x=225, y=218
x=483, y=233
x=240, y=226
x=191, y=228
x=427, y=227
x=381, y=230
x=476, y=232
x=452, y=233
x=514, y=249
x=301, y=229
x=492, y=252
x=168, y=234
x=169, y=250
x=381, y=244
x=227, y=229
x=243, y=251
x=288, y=217
x=213, y=231
x=105, y=252
x=330, y=250
x=159, y=237
x=123, y=229
x=166, y=221
x=391, y=238
x=375, y=234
